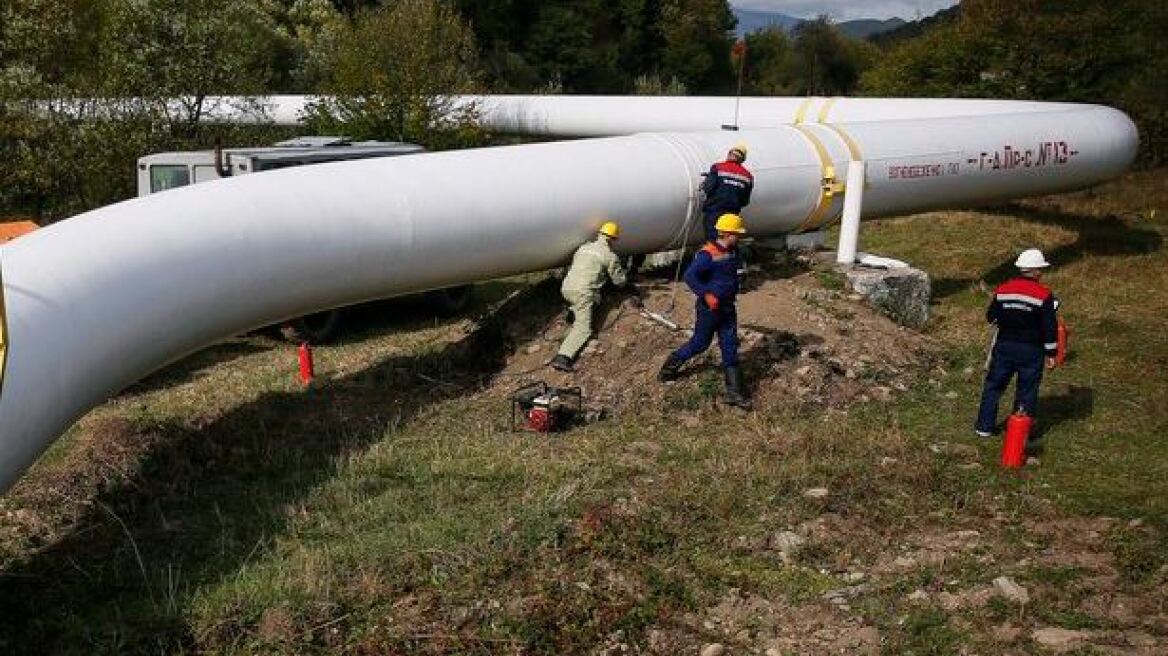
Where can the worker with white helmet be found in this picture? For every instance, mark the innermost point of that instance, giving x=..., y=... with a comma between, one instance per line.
x=593, y=265
x=1025, y=314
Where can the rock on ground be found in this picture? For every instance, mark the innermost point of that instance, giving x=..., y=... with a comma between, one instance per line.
x=1011, y=590
x=901, y=293
x=714, y=649
x=1059, y=639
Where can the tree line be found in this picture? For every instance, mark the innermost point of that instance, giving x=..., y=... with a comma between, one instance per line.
x=1088, y=51
x=384, y=65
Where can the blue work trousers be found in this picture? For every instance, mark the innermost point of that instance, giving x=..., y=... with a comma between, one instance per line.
x=1009, y=358
x=709, y=220
x=724, y=322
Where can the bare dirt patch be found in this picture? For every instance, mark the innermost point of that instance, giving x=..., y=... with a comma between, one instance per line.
x=43, y=507
x=802, y=345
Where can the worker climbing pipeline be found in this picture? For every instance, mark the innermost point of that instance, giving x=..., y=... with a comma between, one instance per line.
x=713, y=278
x=593, y=265
x=727, y=189
x=1024, y=312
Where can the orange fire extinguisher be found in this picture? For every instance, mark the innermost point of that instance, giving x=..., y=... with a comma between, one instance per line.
x=1063, y=338
x=1014, y=446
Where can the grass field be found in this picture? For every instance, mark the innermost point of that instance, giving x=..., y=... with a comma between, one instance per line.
x=217, y=507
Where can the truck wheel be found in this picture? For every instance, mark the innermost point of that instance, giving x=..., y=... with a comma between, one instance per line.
x=313, y=328
x=450, y=301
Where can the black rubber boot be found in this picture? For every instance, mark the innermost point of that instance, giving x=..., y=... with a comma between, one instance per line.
x=561, y=363
x=670, y=369
x=733, y=394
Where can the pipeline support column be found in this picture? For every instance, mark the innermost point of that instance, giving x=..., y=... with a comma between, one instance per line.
x=853, y=205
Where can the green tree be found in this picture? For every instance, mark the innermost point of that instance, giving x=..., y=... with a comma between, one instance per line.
x=697, y=39
x=771, y=66
x=602, y=46
x=390, y=70
x=570, y=43
x=1075, y=50
x=828, y=63
x=193, y=52
x=298, y=26
x=60, y=154
x=501, y=29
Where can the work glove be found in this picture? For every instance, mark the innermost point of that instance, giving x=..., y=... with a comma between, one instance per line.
x=711, y=300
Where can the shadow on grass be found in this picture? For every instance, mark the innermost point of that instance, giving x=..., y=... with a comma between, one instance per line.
x=206, y=500
x=190, y=367
x=1097, y=237
x=1076, y=402
x=359, y=322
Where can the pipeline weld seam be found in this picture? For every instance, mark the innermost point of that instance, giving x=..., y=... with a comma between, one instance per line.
x=691, y=179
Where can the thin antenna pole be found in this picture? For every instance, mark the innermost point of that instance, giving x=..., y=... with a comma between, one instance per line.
x=738, y=96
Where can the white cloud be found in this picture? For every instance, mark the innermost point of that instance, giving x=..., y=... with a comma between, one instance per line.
x=843, y=10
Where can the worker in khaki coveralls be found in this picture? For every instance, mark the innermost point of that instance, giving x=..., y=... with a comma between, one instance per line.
x=592, y=265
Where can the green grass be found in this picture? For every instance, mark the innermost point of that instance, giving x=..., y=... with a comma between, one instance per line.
x=389, y=510
x=1107, y=403
x=927, y=631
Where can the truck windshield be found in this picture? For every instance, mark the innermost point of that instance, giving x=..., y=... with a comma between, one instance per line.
x=168, y=176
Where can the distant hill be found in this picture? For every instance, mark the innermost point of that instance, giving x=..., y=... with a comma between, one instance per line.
x=865, y=28
x=916, y=28
x=750, y=20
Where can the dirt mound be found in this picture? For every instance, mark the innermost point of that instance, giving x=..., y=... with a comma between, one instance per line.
x=805, y=342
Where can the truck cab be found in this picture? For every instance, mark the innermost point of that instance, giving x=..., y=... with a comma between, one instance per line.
x=162, y=171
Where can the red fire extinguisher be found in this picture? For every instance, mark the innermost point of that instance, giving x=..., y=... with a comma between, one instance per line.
x=1014, y=446
x=1063, y=339
x=306, y=367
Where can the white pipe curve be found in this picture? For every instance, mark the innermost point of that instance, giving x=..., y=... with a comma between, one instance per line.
x=103, y=299
x=605, y=116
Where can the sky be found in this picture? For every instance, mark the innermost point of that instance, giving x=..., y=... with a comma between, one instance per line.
x=843, y=10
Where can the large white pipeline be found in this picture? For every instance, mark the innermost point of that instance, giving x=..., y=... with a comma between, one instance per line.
x=599, y=116
x=101, y=300
x=607, y=116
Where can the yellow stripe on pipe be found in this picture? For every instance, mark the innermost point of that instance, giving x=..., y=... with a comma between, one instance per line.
x=854, y=151
x=801, y=113
x=826, y=190
x=826, y=109
x=853, y=147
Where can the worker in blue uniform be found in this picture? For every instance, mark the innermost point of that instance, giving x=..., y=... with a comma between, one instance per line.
x=1025, y=313
x=713, y=278
x=727, y=189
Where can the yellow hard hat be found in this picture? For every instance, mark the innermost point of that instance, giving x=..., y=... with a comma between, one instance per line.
x=730, y=223
x=611, y=229
x=740, y=147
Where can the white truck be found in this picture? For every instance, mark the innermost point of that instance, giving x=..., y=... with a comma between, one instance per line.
x=162, y=171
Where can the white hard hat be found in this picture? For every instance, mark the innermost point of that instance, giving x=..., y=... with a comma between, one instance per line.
x=1031, y=259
